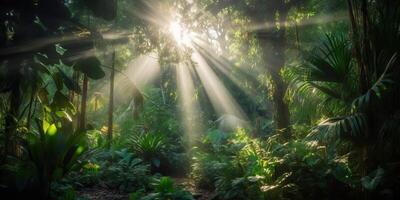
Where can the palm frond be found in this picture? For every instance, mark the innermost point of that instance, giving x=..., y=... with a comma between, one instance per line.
x=329, y=69
x=344, y=126
x=332, y=62
x=385, y=81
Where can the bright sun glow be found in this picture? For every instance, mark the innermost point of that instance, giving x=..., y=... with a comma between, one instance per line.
x=180, y=34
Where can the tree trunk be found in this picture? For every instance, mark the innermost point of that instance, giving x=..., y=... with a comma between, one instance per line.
x=74, y=98
x=111, y=102
x=82, y=118
x=361, y=45
x=273, y=44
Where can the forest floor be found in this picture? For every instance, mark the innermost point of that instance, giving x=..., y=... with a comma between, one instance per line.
x=103, y=193
x=189, y=185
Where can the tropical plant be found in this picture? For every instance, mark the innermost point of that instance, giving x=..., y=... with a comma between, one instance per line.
x=247, y=168
x=96, y=138
x=164, y=188
x=54, y=152
x=368, y=85
x=49, y=154
x=149, y=147
x=121, y=170
x=208, y=158
x=26, y=71
x=116, y=170
x=330, y=69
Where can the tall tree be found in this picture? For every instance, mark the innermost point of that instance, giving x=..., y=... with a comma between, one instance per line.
x=82, y=117
x=111, y=103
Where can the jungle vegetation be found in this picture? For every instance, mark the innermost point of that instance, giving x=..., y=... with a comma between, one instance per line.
x=200, y=99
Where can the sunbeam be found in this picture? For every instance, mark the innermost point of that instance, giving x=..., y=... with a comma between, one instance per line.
x=143, y=70
x=140, y=73
x=190, y=107
x=222, y=101
x=154, y=12
x=241, y=78
x=315, y=20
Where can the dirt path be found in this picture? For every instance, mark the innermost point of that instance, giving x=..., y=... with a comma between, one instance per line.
x=189, y=185
x=99, y=193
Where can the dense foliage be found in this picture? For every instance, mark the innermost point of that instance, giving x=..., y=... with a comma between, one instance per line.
x=207, y=99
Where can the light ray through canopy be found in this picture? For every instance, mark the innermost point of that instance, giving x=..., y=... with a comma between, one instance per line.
x=190, y=108
x=221, y=99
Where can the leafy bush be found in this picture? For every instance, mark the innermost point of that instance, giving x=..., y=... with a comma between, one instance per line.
x=149, y=147
x=63, y=191
x=113, y=169
x=209, y=158
x=124, y=171
x=163, y=188
x=240, y=167
x=49, y=154
x=96, y=138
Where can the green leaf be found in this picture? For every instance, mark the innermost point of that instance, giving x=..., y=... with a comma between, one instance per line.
x=40, y=23
x=58, y=81
x=351, y=125
x=91, y=67
x=386, y=80
x=372, y=181
x=51, y=130
x=64, y=114
x=69, y=82
x=43, y=95
x=60, y=101
x=60, y=50
x=45, y=125
x=238, y=181
x=39, y=65
x=341, y=173
x=80, y=149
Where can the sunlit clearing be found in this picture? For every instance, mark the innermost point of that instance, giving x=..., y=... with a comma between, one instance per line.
x=181, y=35
x=221, y=99
x=188, y=101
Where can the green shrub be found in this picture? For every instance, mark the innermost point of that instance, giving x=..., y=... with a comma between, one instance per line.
x=63, y=191
x=96, y=138
x=149, y=147
x=109, y=169
x=48, y=155
x=162, y=189
x=241, y=167
x=119, y=170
